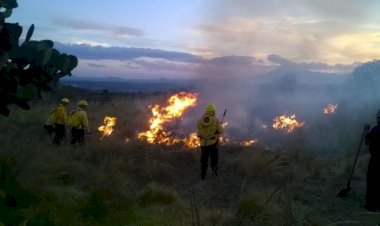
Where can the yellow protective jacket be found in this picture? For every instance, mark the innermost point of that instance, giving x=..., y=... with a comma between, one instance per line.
x=58, y=115
x=209, y=129
x=82, y=118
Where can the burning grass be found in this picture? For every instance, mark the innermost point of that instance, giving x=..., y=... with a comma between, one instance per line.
x=330, y=109
x=177, y=104
x=107, y=128
x=287, y=123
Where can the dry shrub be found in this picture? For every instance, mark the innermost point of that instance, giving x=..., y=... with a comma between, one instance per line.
x=155, y=194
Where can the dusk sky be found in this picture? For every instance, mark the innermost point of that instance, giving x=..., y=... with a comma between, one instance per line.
x=191, y=38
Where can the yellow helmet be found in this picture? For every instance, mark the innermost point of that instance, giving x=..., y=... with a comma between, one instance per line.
x=211, y=107
x=82, y=103
x=65, y=101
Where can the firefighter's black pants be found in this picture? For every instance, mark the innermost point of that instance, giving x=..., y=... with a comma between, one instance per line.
x=373, y=184
x=60, y=133
x=212, y=152
x=77, y=135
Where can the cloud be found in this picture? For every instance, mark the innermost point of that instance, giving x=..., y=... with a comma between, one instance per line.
x=127, y=31
x=95, y=65
x=142, y=61
x=124, y=53
x=123, y=61
x=232, y=60
x=99, y=27
x=341, y=9
x=233, y=66
x=312, y=66
x=298, y=30
x=248, y=36
x=78, y=24
x=278, y=60
x=354, y=11
x=160, y=65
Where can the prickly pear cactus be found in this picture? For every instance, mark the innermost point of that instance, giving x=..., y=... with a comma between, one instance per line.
x=29, y=68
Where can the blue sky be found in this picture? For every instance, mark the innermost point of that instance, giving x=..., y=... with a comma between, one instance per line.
x=159, y=24
x=192, y=38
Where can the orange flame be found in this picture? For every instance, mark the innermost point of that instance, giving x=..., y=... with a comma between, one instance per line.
x=192, y=141
x=287, y=123
x=330, y=109
x=107, y=128
x=177, y=105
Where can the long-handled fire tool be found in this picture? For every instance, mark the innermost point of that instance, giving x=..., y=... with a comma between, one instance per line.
x=221, y=122
x=224, y=114
x=344, y=192
x=217, y=136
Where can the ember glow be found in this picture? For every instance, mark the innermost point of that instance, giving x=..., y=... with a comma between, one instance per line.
x=177, y=105
x=247, y=143
x=224, y=140
x=107, y=128
x=287, y=123
x=330, y=109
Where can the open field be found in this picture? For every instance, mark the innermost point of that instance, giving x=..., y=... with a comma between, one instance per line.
x=114, y=182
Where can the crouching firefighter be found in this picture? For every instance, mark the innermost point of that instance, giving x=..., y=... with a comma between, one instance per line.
x=78, y=121
x=209, y=129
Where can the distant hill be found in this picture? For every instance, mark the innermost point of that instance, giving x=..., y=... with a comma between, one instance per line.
x=113, y=84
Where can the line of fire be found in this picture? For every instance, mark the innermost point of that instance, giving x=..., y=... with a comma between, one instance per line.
x=176, y=106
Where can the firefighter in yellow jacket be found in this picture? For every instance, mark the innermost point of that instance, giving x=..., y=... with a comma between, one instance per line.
x=79, y=123
x=209, y=129
x=57, y=121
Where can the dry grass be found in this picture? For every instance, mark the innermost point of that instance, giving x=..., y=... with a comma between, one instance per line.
x=111, y=182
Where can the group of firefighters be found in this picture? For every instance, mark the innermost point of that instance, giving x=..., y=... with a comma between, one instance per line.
x=209, y=129
x=77, y=120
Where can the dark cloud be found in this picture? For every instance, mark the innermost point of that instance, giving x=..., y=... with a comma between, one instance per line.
x=232, y=60
x=124, y=53
x=78, y=24
x=89, y=25
x=162, y=65
x=278, y=60
x=96, y=65
x=155, y=61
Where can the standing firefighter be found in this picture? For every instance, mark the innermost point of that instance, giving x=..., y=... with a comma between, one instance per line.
x=209, y=129
x=57, y=120
x=373, y=175
x=78, y=122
